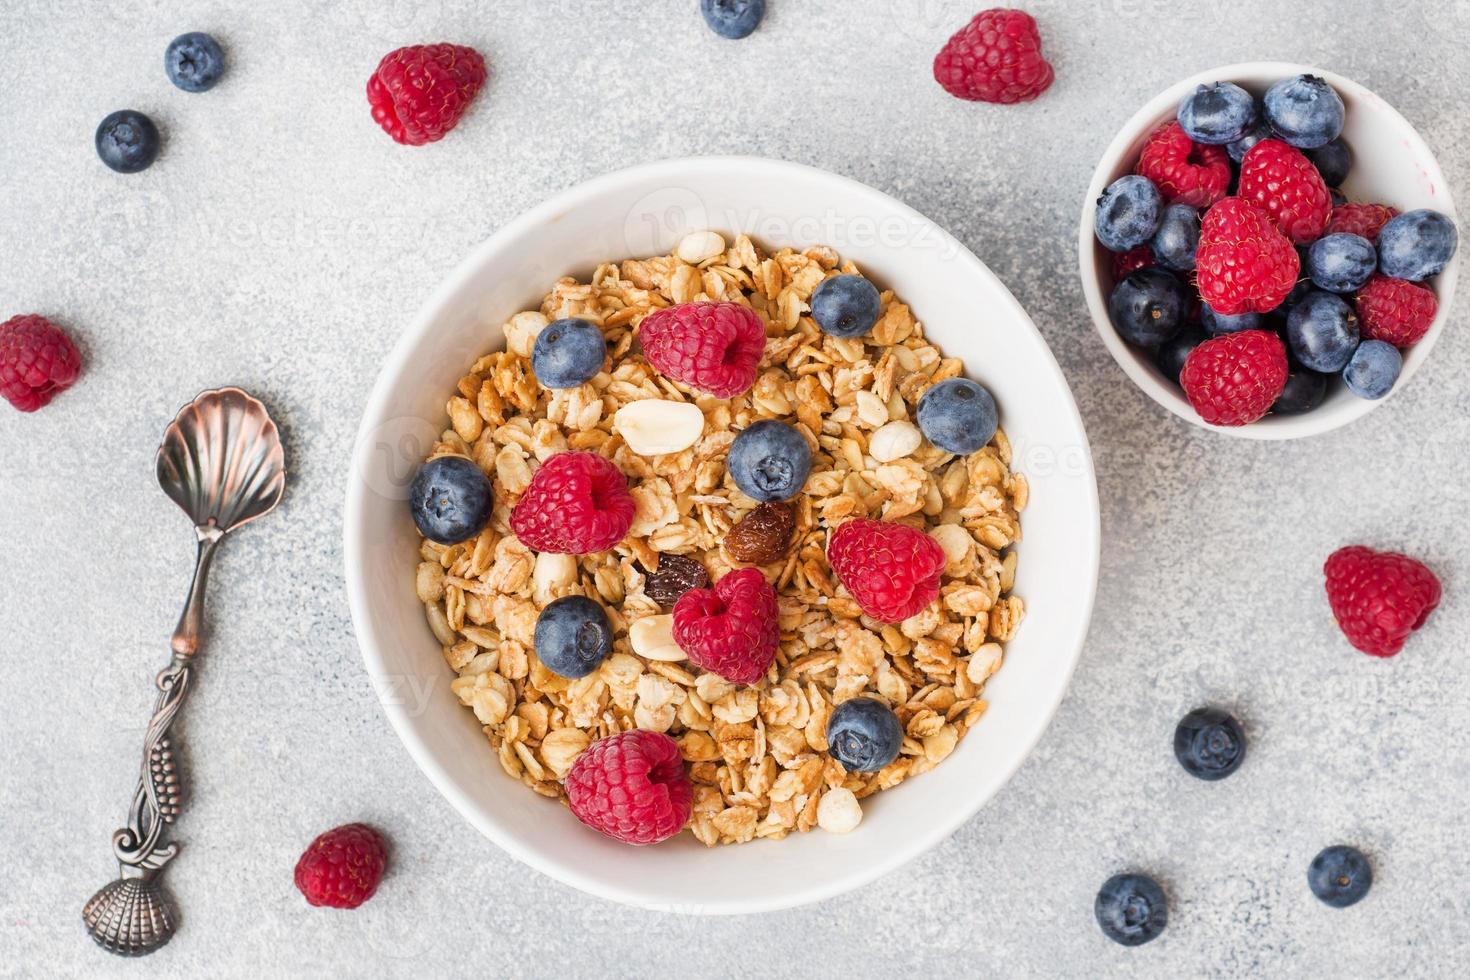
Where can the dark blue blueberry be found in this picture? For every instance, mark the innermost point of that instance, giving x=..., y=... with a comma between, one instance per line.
x=568, y=353
x=1128, y=213
x=450, y=499
x=1175, y=242
x=958, y=416
x=1131, y=909
x=573, y=636
x=194, y=61
x=127, y=141
x=1337, y=197
x=1304, y=111
x=1340, y=262
x=1218, y=113
x=845, y=306
x=733, y=19
x=1148, y=307
x=1218, y=323
x=1209, y=744
x=770, y=461
x=1416, y=245
x=1322, y=332
x=1175, y=351
x=1304, y=391
x=1373, y=370
x=1258, y=132
x=1340, y=876
x=1333, y=160
x=864, y=735
x=1302, y=289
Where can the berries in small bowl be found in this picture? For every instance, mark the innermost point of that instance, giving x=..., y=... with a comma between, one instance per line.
x=1295, y=176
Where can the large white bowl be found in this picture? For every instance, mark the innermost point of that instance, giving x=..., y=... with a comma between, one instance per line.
x=642, y=211
x=1391, y=165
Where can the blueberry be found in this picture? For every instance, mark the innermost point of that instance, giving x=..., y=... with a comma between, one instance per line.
x=194, y=61
x=568, y=353
x=573, y=636
x=1333, y=160
x=1340, y=876
x=1254, y=135
x=864, y=734
x=127, y=141
x=1218, y=113
x=1322, y=332
x=958, y=416
x=770, y=461
x=1416, y=245
x=1304, y=391
x=451, y=499
x=733, y=19
x=1340, y=262
x=1131, y=909
x=1175, y=242
x=1218, y=323
x=1209, y=744
x=1175, y=351
x=845, y=306
x=1304, y=111
x=1337, y=197
x=1302, y=289
x=1128, y=213
x=1148, y=307
x=1374, y=368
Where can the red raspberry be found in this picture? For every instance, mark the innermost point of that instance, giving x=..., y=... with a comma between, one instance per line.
x=419, y=93
x=1360, y=219
x=1235, y=378
x=1379, y=597
x=1183, y=170
x=1280, y=180
x=1243, y=264
x=891, y=569
x=1131, y=261
x=342, y=867
x=730, y=629
x=1395, y=310
x=631, y=786
x=37, y=361
x=996, y=57
x=715, y=347
x=577, y=503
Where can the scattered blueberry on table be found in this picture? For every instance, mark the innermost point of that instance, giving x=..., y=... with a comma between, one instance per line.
x=194, y=62
x=1131, y=909
x=733, y=19
x=1340, y=876
x=127, y=141
x=1209, y=743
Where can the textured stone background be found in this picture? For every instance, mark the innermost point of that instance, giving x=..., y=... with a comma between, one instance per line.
x=282, y=243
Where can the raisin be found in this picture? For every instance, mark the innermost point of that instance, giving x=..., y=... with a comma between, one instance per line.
x=763, y=535
x=674, y=576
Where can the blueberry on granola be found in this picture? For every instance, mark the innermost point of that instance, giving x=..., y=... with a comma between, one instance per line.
x=573, y=636
x=845, y=306
x=864, y=735
x=451, y=499
x=769, y=461
x=568, y=353
x=958, y=416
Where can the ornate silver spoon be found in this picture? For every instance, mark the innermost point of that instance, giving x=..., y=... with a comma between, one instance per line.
x=221, y=461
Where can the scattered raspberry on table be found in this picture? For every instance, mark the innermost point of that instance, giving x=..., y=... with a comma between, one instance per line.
x=891, y=569
x=715, y=347
x=341, y=869
x=631, y=786
x=732, y=628
x=1379, y=597
x=996, y=57
x=419, y=93
x=577, y=503
x=1235, y=378
x=37, y=361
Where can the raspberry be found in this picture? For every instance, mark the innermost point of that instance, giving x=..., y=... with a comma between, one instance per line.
x=763, y=535
x=632, y=787
x=891, y=569
x=730, y=629
x=1360, y=219
x=1243, y=263
x=419, y=93
x=715, y=347
x=996, y=57
x=1184, y=171
x=674, y=576
x=1379, y=597
x=577, y=503
x=342, y=867
x=1281, y=181
x=37, y=361
x=1131, y=261
x=1234, y=378
x=1395, y=310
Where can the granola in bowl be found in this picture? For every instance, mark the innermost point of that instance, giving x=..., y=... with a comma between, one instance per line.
x=757, y=755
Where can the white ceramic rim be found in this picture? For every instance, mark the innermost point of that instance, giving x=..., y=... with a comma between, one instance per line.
x=568, y=873
x=1276, y=426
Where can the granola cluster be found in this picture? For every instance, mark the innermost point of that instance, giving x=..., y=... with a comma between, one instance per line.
x=757, y=755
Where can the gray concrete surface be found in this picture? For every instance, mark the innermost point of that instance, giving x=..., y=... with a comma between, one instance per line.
x=282, y=243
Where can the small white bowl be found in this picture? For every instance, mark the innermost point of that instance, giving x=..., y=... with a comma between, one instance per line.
x=1391, y=165
x=645, y=211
